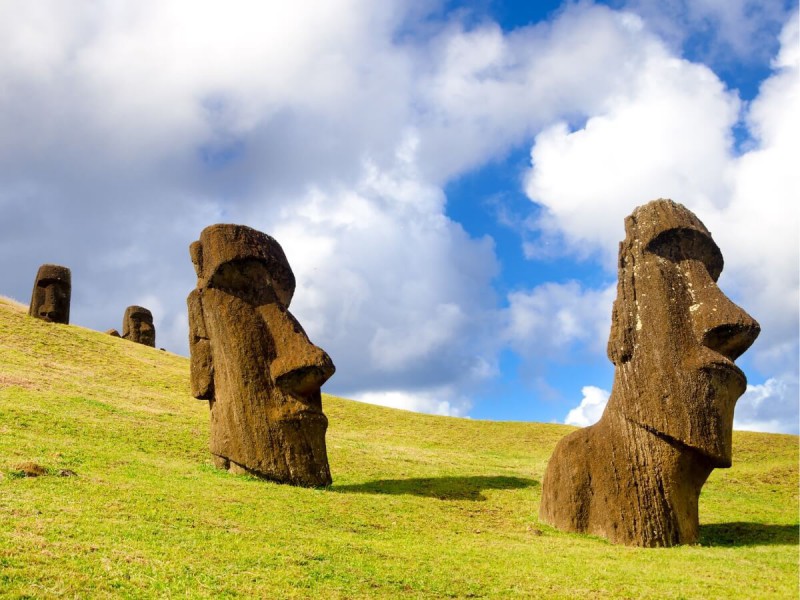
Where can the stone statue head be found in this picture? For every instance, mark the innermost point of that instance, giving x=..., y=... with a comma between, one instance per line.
x=137, y=326
x=51, y=294
x=252, y=360
x=676, y=338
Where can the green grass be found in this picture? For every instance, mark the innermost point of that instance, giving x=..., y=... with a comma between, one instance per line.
x=421, y=506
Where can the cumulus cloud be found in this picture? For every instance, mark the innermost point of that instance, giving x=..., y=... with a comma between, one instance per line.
x=440, y=401
x=128, y=127
x=390, y=286
x=481, y=91
x=669, y=134
x=665, y=133
x=591, y=408
x=715, y=31
x=554, y=319
x=770, y=406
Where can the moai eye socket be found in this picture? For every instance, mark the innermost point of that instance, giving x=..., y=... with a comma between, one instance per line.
x=248, y=279
x=681, y=244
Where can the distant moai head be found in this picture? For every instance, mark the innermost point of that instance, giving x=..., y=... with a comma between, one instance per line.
x=51, y=294
x=137, y=326
x=113, y=333
x=252, y=360
x=675, y=334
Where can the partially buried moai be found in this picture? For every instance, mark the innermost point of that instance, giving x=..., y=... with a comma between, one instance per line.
x=253, y=362
x=52, y=291
x=137, y=326
x=635, y=476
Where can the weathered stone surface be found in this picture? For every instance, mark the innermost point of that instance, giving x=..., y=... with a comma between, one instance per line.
x=137, y=326
x=635, y=476
x=113, y=333
x=253, y=362
x=51, y=294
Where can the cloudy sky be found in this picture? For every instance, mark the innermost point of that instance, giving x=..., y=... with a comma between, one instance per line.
x=448, y=179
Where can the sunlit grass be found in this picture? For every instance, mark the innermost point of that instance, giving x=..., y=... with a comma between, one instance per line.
x=421, y=506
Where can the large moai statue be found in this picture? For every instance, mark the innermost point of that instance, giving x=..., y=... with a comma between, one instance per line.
x=253, y=362
x=635, y=476
x=52, y=291
x=137, y=326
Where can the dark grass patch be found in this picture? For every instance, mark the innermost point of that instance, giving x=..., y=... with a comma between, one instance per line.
x=443, y=488
x=749, y=534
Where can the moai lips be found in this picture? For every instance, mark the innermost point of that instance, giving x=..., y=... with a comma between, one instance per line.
x=635, y=476
x=253, y=362
x=52, y=291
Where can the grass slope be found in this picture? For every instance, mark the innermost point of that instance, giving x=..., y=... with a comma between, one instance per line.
x=421, y=506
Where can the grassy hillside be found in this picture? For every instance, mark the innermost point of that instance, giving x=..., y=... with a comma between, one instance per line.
x=422, y=506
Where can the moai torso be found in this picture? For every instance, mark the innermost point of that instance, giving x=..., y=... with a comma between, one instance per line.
x=253, y=362
x=635, y=476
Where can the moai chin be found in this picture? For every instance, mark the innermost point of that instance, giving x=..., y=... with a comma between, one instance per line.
x=635, y=476
x=253, y=362
x=137, y=326
x=52, y=291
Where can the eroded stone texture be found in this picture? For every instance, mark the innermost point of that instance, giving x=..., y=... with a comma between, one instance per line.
x=113, y=333
x=137, y=326
x=51, y=294
x=253, y=362
x=635, y=476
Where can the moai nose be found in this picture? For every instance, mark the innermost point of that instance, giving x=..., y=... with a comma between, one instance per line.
x=48, y=307
x=719, y=324
x=299, y=367
x=732, y=337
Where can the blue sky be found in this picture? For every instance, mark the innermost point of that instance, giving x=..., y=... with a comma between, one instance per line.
x=448, y=179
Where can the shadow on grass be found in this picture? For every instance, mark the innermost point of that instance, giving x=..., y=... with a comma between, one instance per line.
x=443, y=488
x=748, y=534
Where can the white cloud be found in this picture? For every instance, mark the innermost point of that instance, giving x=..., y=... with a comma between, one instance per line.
x=719, y=31
x=770, y=406
x=389, y=286
x=760, y=225
x=665, y=133
x=128, y=127
x=553, y=319
x=591, y=408
x=438, y=401
x=481, y=91
x=669, y=135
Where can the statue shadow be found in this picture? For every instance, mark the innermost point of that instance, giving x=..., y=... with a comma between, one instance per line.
x=749, y=534
x=443, y=488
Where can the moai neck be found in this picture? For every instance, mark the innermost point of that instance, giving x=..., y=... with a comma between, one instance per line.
x=659, y=481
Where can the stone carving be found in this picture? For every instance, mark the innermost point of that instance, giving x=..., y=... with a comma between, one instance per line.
x=137, y=326
x=253, y=362
x=52, y=291
x=113, y=333
x=635, y=476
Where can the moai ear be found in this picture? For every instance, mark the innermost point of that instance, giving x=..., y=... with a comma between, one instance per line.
x=623, y=314
x=196, y=252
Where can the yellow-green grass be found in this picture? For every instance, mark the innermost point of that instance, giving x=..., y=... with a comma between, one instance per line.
x=421, y=506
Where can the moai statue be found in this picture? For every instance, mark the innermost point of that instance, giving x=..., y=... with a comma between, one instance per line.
x=51, y=294
x=137, y=326
x=113, y=333
x=635, y=476
x=253, y=362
